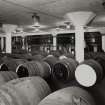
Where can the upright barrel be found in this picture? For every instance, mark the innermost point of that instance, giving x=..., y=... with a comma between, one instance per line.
x=24, y=91
x=64, y=69
x=69, y=96
x=34, y=68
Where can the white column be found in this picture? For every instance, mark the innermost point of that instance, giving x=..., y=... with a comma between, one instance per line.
x=9, y=28
x=79, y=43
x=80, y=19
x=23, y=42
x=103, y=42
x=8, y=43
x=54, y=41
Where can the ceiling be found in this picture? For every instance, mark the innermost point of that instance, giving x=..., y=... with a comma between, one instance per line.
x=50, y=11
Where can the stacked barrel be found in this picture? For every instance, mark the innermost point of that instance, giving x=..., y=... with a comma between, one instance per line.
x=31, y=65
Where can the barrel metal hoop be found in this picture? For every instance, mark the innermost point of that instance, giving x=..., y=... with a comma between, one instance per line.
x=50, y=70
x=1, y=65
x=18, y=67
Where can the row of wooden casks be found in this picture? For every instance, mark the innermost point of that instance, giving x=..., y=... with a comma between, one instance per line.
x=24, y=91
x=48, y=68
x=89, y=74
x=31, y=90
x=27, y=91
x=26, y=67
x=35, y=91
x=62, y=69
x=69, y=66
x=21, y=91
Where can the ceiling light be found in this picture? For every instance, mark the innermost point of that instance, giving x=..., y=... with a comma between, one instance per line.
x=36, y=19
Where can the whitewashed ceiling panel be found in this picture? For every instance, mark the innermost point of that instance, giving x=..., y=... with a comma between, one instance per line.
x=50, y=11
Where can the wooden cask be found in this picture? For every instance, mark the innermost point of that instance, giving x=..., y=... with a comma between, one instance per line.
x=6, y=76
x=34, y=68
x=69, y=96
x=64, y=69
x=90, y=72
x=24, y=91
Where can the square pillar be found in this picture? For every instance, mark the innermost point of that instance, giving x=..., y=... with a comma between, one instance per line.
x=79, y=43
x=8, y=43
x=9, y=28
x=80, y=19
x=23, y=43
x=54, y=41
